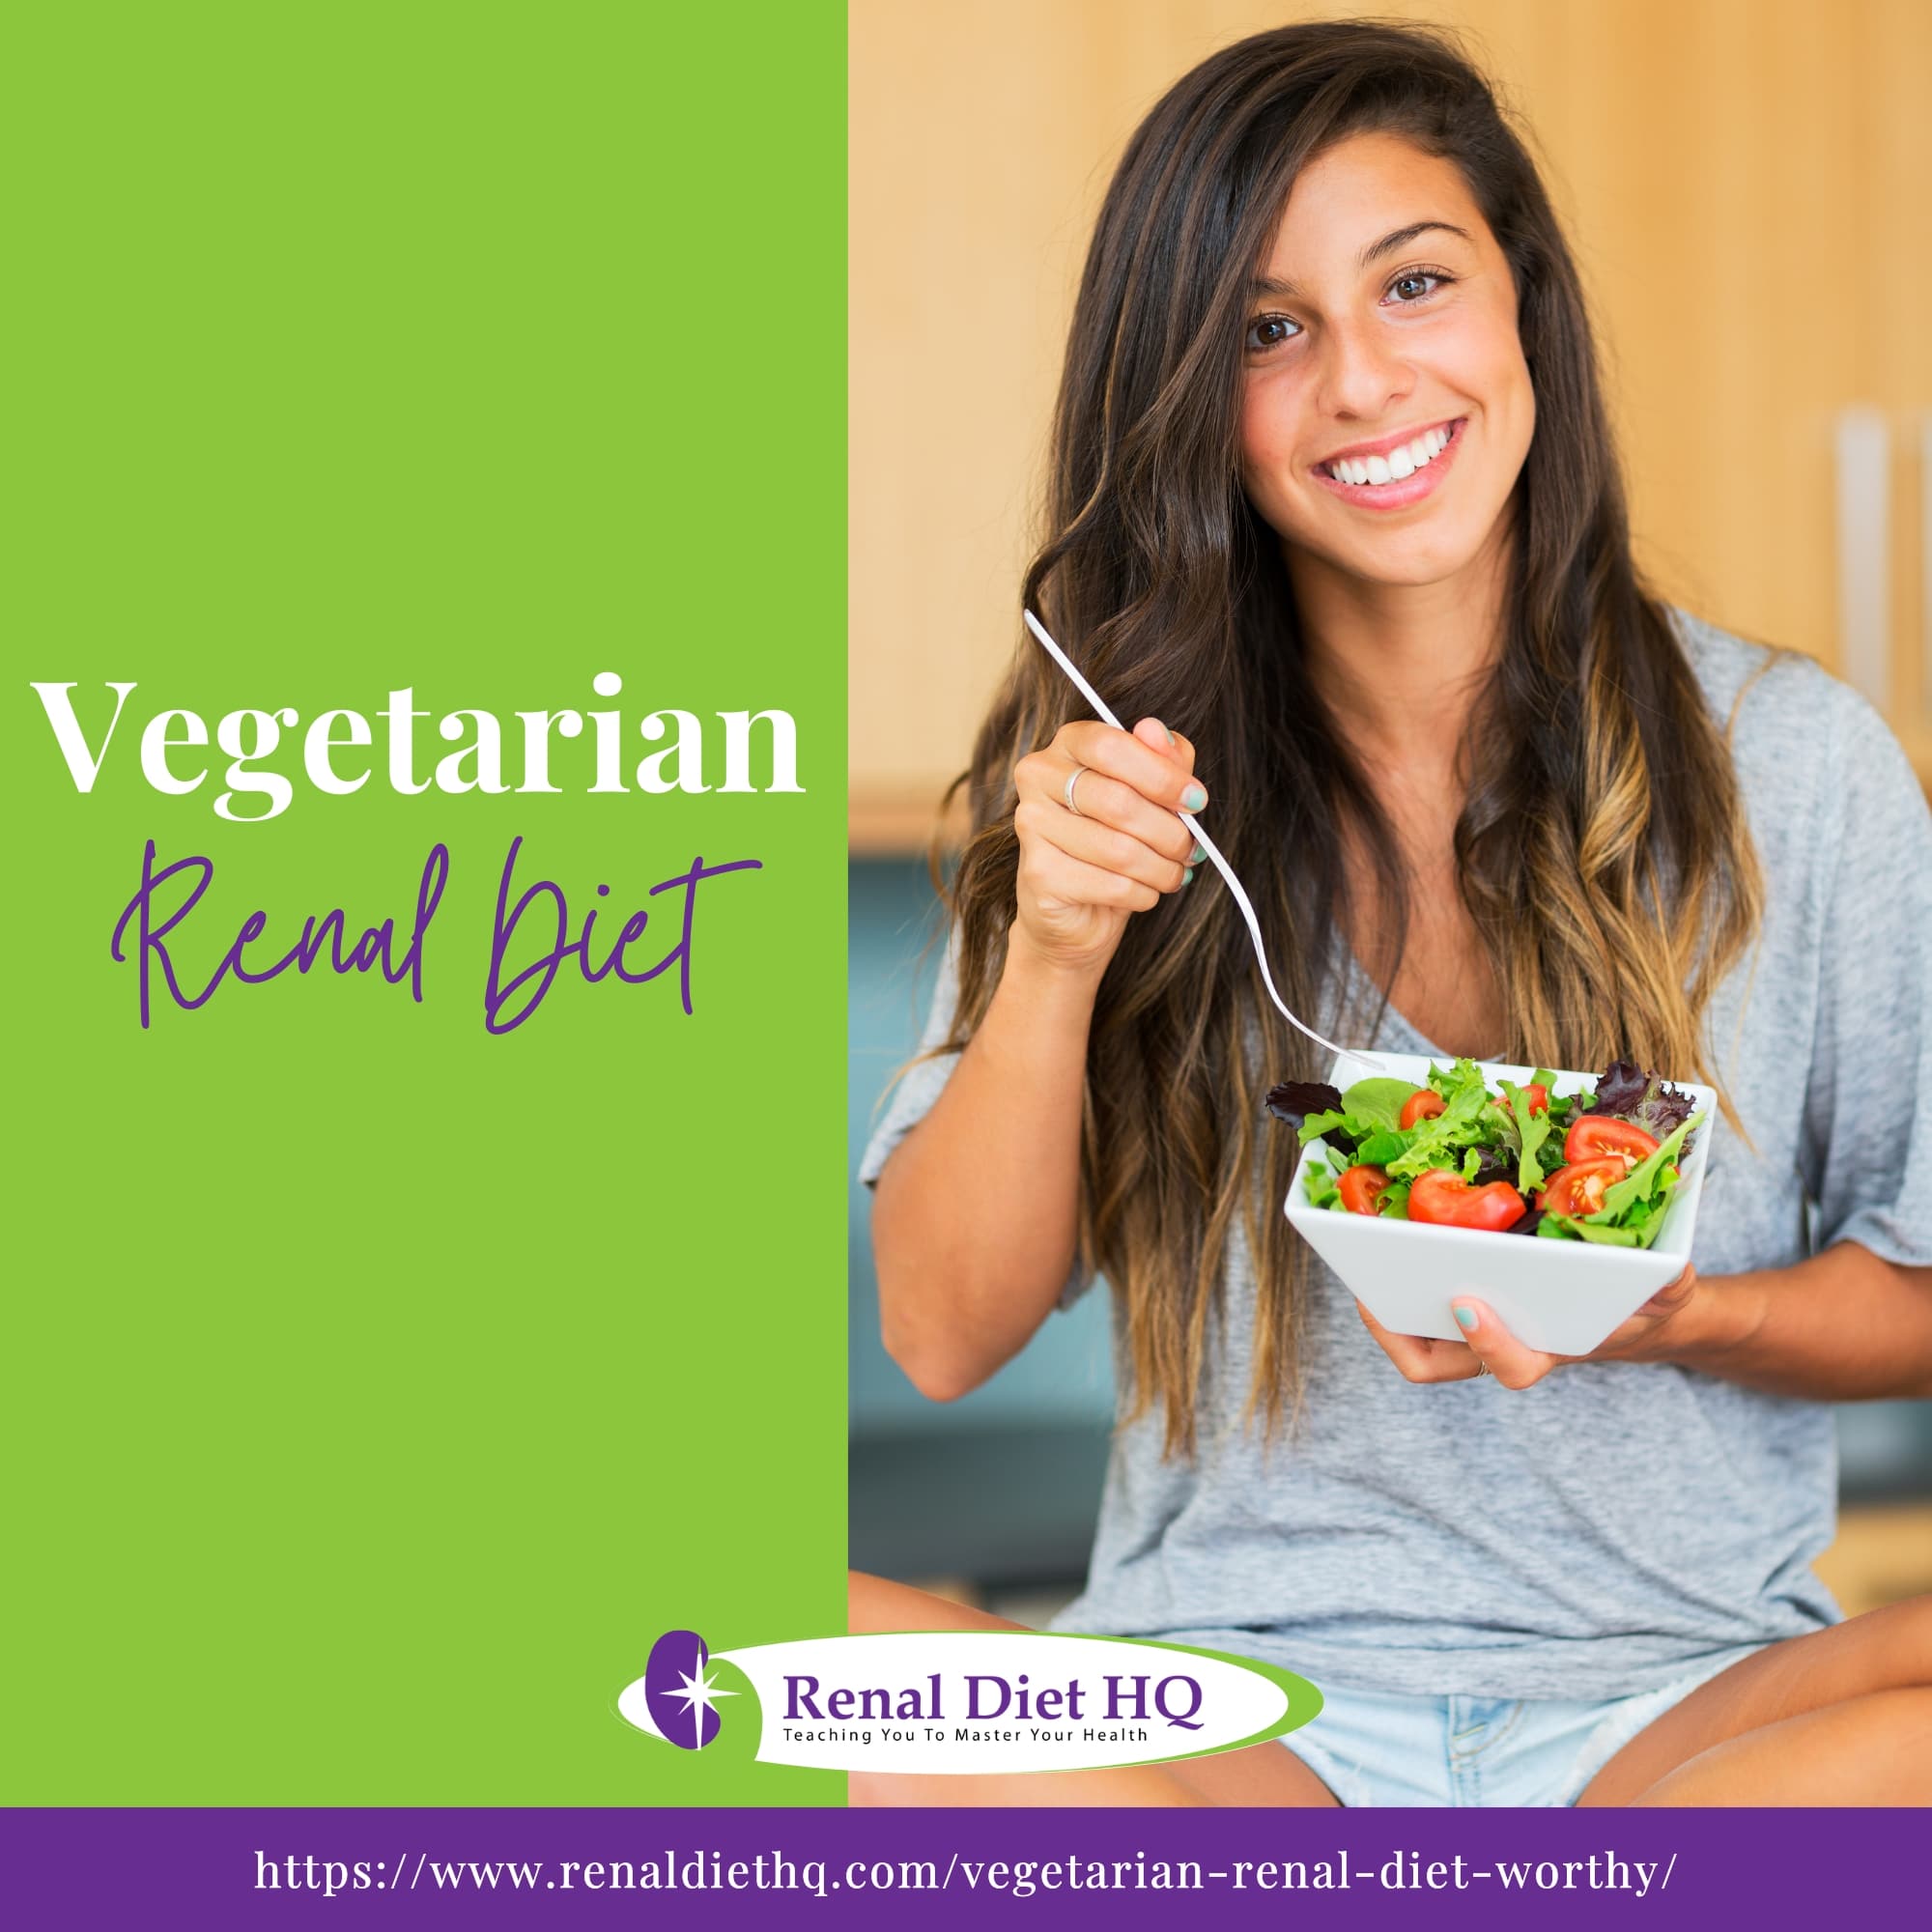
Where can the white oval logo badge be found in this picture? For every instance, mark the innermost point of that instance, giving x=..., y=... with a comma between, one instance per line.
x=960, y=1701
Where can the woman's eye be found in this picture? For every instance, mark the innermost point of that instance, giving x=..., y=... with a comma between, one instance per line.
x=1417, y=284
x=1270, y=331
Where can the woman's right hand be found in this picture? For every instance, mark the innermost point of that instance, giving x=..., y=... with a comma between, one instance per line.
x=1081, y=874
x=978, y=1215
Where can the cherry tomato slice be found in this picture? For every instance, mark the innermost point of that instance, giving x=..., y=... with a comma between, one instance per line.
x=1423, y=1104
x=1597, y=1136
x=1361, y=1189
x=1579, y=1188
x=1445, y=1199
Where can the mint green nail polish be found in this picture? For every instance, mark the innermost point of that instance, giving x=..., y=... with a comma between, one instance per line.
x=1467, y=1316
x=1193, y=798
x=1200, y=852
x=1188, y=877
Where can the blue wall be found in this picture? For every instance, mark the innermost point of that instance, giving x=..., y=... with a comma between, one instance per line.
x=1004, y=1485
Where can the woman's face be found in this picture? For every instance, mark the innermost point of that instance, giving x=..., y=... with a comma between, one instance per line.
x=1382, y=323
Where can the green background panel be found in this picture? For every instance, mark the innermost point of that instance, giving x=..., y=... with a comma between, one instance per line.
x=377, y=1390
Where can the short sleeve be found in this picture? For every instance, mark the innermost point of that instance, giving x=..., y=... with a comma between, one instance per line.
x=923, y=1083
x=925, y=1080
x=1868, y=1108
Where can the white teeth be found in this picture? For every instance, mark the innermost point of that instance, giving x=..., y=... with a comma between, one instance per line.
x=1401, y=462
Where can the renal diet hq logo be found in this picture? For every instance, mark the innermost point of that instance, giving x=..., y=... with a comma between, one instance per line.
x=965, y=1700
x=681, y=1691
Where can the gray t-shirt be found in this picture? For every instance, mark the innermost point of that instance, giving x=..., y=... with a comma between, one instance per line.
x=1617, y=1524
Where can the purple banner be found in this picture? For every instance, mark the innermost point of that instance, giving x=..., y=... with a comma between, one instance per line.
x=213, y=1868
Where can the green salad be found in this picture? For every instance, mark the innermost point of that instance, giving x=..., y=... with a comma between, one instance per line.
x=1596, y=1165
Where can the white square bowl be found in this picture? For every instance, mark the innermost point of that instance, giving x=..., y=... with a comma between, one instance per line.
x=1562, y=1296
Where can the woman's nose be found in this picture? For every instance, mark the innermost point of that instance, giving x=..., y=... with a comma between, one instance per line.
x=1363, y=375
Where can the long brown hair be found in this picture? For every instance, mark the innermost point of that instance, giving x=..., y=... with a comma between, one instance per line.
x=1603, y=850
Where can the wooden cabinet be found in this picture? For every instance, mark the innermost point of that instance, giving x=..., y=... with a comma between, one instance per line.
x=1748, y=185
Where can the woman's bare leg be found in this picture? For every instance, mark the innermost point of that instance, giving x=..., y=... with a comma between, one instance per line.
x=1841, y=1717
x=1868, y=1750
x=1262, y=1774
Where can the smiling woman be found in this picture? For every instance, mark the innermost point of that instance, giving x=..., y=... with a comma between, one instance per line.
x=1381, y=333
x=1448, y=727
x=1335, y=511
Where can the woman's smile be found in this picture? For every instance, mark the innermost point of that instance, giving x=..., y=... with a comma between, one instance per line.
x=1395, y=471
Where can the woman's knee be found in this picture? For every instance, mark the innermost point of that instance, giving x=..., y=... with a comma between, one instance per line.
x=869, y=1600
x=1906, y=1636
x=874, y=1603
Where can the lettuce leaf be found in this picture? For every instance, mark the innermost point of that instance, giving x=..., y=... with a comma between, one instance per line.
x=1443, y=1141
x=1532, y=1131
x=1643, y=1098
x=1319, y=1184
x=1343, y=1132
x=1316, y=1111
x=1379, y=1100
x=1292, y=1101
x=1491, y=1163
x=1449, y=1081
x=1592, y=1230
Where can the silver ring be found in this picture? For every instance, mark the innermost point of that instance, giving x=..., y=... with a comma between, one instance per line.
x=1072, y=779
x=1482, y=1369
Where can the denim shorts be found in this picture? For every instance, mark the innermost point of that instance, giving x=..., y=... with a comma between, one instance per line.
x=1372, y=1748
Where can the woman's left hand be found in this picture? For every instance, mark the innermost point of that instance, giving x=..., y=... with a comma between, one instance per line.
x=1648, y=1336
